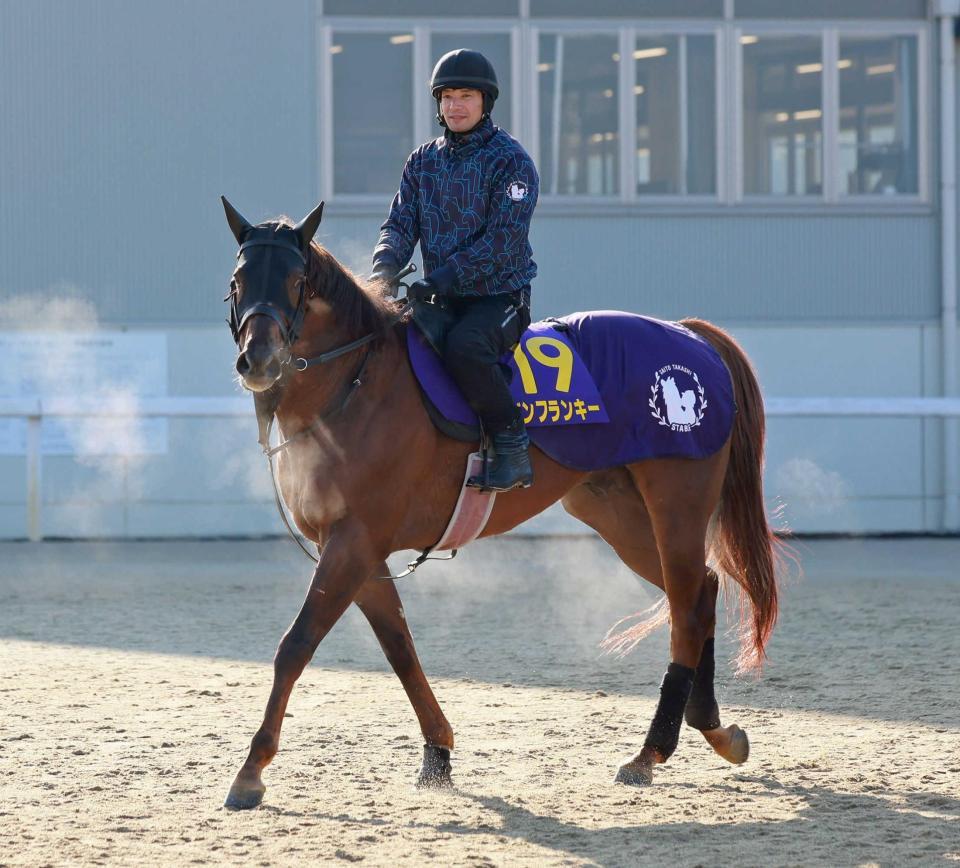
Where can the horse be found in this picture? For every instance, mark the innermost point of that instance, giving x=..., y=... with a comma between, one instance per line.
x=326, y=351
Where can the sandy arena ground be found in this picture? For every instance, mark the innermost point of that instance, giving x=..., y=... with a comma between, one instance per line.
x=133, y=675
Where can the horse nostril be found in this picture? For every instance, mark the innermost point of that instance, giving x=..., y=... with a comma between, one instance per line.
x=243, y=366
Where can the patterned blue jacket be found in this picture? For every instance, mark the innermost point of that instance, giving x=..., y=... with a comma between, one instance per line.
x=468, y=200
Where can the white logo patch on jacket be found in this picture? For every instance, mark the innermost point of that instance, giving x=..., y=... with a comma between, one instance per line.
x=517, y=191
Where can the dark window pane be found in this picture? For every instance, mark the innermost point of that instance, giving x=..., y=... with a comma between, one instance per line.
x=496, y=48
x=372, y=110
x=782, y=115
x=657, y=95
x=878, y=115
x=673, y=157
x=701, y=115
x=579, y=129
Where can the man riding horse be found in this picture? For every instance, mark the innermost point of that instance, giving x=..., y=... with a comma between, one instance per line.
x=468, y=198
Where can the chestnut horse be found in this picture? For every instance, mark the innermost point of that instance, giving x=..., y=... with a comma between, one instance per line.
x=365, y=473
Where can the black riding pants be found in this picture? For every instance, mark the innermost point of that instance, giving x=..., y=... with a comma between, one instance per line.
x=485, y=329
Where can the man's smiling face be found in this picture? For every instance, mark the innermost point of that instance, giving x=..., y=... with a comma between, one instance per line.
x=461, y=107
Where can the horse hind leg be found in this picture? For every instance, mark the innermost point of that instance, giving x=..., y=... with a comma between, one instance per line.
x=380, y=603
x=702, y=711
x=681, y=496
x=611, y=504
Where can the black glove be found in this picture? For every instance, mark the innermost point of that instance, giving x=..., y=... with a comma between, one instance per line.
x=421, y=290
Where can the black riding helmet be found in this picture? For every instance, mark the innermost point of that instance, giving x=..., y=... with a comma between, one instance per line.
x=465, y=68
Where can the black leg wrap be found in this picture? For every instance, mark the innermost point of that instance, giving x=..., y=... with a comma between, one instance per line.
x=675, y=689
x=702, y=709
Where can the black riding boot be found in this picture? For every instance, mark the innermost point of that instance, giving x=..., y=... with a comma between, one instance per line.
x=510, y=466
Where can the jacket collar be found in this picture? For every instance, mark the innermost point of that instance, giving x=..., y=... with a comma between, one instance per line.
x=464, y=144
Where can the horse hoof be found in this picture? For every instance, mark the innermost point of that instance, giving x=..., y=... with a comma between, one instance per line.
x=244, y=797
x=738, y=749
x=635, y=774
x=730, y=742
x=435, y=770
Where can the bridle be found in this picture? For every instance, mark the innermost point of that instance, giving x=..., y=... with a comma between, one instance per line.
x=290, y=319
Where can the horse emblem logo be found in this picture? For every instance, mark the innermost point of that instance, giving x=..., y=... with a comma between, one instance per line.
x=677, y=398
x=517, y=191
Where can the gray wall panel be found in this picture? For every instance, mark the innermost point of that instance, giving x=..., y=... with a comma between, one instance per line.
x=750, y=268
x=745, y=268
x=830, y=9
x=122, y=124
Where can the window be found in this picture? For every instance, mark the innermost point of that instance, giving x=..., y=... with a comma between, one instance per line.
x=496, y=48
x=782, y=115
x=671, y=101
x=878, y=116
x=579, y=119
x=674, y=90
x=372, y=110
x=825, y=112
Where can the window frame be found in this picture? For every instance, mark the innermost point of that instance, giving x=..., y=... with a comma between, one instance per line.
x=627, y=33
x=422, y=123
x=739, y=170
x=830, y=34
x=524, y=36
x=922, y=94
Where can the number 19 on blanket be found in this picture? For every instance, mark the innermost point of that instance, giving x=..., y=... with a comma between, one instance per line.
x=562, y=361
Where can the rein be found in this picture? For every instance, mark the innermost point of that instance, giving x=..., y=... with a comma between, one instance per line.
x=266, y=411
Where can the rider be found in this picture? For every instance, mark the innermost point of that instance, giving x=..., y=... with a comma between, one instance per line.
x=468, y=197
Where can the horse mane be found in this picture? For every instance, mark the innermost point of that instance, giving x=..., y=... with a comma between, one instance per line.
x=360, y=308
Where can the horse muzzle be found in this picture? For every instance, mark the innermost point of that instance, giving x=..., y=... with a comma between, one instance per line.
x=258, y=371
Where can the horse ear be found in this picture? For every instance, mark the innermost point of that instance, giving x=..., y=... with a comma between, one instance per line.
x=238, y=224
x=307, y=227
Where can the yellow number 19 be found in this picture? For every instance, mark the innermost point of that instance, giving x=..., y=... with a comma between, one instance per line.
x=562, y=361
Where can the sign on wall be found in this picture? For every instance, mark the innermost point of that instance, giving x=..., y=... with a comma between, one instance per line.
x=113, y=369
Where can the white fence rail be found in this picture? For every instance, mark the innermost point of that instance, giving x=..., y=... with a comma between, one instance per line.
x=34, y=411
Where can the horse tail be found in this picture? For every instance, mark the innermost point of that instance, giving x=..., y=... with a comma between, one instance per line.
x=743, y=546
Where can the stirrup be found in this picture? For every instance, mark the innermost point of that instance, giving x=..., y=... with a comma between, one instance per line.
x=482, y=485
x=483, y=482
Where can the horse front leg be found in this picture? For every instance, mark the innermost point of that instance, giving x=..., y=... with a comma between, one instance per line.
x=342, y=570
x=380, y=603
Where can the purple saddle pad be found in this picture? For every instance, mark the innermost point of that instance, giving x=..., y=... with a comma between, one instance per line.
x=633, y=388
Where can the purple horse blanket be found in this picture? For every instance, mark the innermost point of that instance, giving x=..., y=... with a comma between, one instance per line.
x=604, y=388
